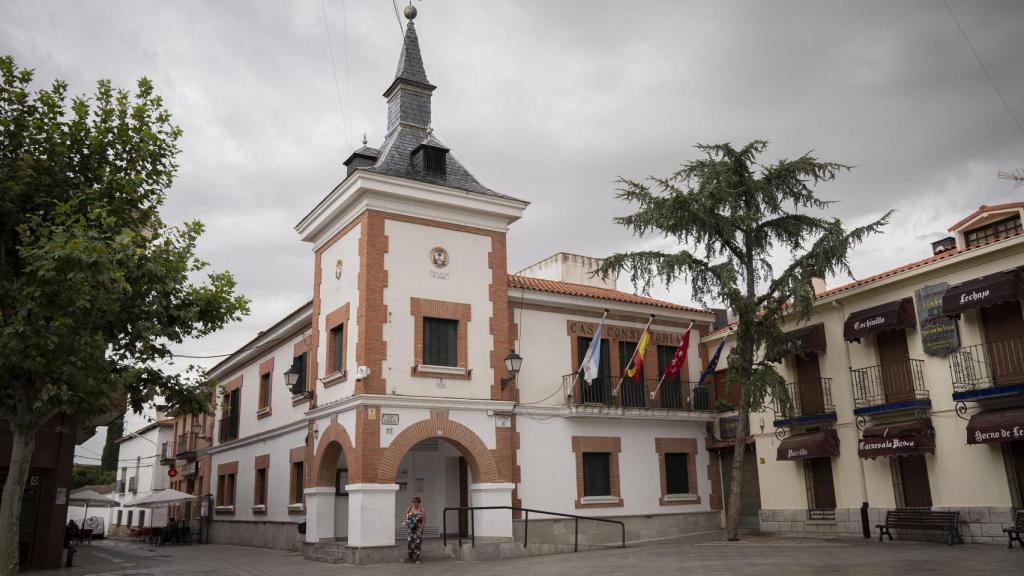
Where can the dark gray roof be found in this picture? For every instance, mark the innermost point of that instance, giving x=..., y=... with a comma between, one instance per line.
x=410, y=63
x=396, y=160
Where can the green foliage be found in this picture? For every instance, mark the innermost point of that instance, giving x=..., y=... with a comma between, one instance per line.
x=82, y=475
x=94, y=287
x=730, y=215
x=110, y=447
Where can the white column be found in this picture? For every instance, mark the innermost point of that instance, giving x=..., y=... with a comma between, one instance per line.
x=371, y=514
x=492, y=523
x=319, y=513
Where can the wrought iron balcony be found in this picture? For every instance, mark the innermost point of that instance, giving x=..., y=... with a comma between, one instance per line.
x=805, y=402
x=889, y=387
x=167, y=453
x=988, y=370
x=673, y=394
x=228, y=428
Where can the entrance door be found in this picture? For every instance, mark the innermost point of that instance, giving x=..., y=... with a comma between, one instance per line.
x=1013, y=453
x=821, y=493
x=1003, y=325
x=812, y=397
x=911, y=474
x=631, y=393
x=750, y=496
x=894, y=357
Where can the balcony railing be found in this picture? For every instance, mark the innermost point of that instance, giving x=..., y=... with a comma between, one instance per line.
x=672, y=395
x=185, y=444
x=228, y=427
x=166, y=452
x=987, y=367
x=889, y=386
x=809, y=400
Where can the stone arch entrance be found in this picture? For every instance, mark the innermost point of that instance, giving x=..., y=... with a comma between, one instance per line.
x=479, y=458
x=333, y=461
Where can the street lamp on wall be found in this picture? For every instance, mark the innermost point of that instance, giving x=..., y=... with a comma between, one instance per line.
x=291, y=379
x=512, y=363
x=197, y=431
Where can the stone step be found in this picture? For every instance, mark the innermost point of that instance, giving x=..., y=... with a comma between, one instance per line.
x=324, y=558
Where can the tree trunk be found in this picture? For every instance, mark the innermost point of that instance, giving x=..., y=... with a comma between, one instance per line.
x=24, y=444
x=732, y=518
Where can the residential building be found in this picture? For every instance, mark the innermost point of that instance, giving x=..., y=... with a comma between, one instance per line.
x=144, y=457
x=906, y=390
x=402, y=386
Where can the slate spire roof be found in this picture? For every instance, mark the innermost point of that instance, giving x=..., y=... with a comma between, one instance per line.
x=409, y=128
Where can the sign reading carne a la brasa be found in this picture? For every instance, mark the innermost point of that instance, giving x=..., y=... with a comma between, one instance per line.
x=940, y=335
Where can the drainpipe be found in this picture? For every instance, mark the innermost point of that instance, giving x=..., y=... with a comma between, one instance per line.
x=865, y=522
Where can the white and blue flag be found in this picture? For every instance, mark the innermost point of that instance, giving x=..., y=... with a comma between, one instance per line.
x=592, y=361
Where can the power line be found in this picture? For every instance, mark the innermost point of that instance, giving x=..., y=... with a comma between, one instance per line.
x=983, y=68
x=401, y=29
x=334, y=71
x=208, y=356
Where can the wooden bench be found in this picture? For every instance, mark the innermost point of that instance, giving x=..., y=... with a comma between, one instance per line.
x=922, y=519
x=1015, y=532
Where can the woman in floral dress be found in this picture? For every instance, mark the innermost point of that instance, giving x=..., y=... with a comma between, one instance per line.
x=415, y=520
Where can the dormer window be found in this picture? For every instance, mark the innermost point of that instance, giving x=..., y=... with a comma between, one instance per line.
x=434, y=164
x=995, y=231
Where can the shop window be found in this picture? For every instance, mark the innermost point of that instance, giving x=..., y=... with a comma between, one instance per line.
x=130, y=512
x=821, y=492
x=337, y=347
x=440, y=342
x=677, y=479
x=142, y=518
x=995, y=231
x=119, y=518
x=910, y=481
x=597, y=474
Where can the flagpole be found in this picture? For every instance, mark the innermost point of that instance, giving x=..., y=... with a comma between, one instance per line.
x=633, y=357
x=662, y=381
x=579, y=373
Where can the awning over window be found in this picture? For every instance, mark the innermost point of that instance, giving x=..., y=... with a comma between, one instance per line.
x=881, y=318
x=811, y=445
x=806, y=339
x=996, y=426
x=899, y=439
x=985, y=291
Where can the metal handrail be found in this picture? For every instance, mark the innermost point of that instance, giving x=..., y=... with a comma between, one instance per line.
x=617, y=391
x=526, y=523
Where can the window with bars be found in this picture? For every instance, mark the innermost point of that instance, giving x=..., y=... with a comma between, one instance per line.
x=995, y=231
x=597, y=474
x=677, y=479
x=440, y=342
x=821, y=492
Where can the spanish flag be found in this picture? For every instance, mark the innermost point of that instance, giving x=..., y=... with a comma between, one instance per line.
x=637, y=363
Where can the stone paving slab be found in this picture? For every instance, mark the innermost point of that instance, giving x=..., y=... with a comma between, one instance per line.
x=705, y=555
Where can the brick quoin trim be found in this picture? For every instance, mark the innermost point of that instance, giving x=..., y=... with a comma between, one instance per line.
x=372, y=313
x=609, y=444
x=314, y=344
x=368, y=450
x=687, y=446
x=421, y=308
x=334, y=442
x=481, y=460
x=334, y=318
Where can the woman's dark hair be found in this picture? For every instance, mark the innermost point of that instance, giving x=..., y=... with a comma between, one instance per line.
x=416, y=499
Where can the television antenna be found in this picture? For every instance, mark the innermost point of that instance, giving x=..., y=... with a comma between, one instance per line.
x=1016, y=175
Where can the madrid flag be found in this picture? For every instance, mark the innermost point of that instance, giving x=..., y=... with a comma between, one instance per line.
x=679, y=358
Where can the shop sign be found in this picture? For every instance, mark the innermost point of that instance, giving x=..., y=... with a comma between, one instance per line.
x=940, y=335
x=997, y=435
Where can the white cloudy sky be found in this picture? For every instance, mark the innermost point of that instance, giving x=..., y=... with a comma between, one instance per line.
x=550, y=102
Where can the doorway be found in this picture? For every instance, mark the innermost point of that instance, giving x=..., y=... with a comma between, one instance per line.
x=910, y=481
x=750, y=494
x=894, y=360
x=436, y=472
x=1003, y=325
x=808, y=373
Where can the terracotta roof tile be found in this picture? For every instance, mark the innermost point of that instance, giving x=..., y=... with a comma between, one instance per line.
x=571, y=289
x=983, y=209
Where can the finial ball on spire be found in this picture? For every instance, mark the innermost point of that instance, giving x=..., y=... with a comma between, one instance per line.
x=410, y=12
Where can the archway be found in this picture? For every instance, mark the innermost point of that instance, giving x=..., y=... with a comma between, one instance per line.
x=329, y=471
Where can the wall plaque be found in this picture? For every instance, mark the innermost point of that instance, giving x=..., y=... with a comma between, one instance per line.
x=940, y=335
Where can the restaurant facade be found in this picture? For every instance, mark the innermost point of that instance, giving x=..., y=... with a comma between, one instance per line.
x=907, y=392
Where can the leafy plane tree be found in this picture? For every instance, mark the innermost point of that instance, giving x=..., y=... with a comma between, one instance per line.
x=732, y=215
x=94, y=286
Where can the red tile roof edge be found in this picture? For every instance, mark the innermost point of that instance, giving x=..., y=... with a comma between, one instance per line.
x=572, y=289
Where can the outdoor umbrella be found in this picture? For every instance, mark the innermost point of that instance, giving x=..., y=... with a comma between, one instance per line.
x=159, y=499
x=91, y=498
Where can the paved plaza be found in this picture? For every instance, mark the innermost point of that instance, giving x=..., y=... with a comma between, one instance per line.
x=703, y=554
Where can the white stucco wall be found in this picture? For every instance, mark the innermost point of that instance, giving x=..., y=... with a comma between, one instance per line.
x=334, y=293
x=140, y=457
x=548, y=463
x=465, y=280
x=278, y=479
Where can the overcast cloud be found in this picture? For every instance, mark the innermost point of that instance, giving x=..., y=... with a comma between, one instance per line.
x=550, y=102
